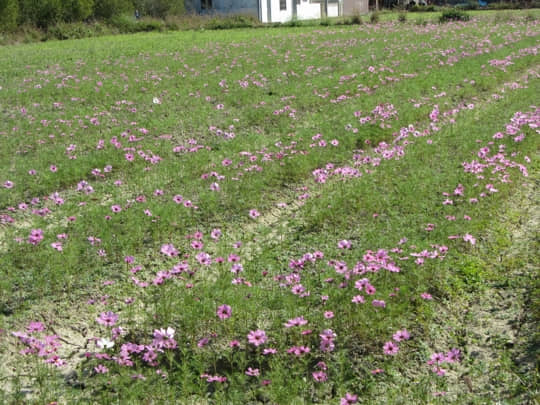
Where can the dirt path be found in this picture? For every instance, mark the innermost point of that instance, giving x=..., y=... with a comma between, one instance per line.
x=498, y=323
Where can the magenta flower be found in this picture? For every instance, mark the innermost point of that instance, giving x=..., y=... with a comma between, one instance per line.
x=358, y=299
x=169, y=250
x=254, y=213
x=257, y=337
x=319, y=376
x=253, y=372
x=401, y=335
x=469, y=238
x=164, y=338
x=107, y=318
x=390, y=348
x=35, y=326
x=349, y=399
x=8, y=184
x=36, y=236
x=298, y=350
x=178, y=199
x=378, y=303
x=296, y=322
x=116, y=208
x=344, y=244
x=224, y=312
x=101, y=369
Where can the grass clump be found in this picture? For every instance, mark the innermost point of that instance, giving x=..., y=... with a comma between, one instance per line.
x=453, y=15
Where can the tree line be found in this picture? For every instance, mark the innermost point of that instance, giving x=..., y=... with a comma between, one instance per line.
x=45, y=13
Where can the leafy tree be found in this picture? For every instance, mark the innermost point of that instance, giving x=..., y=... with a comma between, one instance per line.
x=77, y=10
x=9, y=11
x=109, y=8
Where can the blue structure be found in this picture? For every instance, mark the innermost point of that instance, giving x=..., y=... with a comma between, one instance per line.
x=249, y=7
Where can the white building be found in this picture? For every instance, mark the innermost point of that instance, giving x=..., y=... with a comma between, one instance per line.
x=286, y=10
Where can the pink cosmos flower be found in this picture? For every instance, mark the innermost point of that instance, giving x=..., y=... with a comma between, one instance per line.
x=358, y=299
x=401, y=335
x=253, y=372
x=224, y=312
x=178, y=198
x=349, y=399
x=101, y=369
x=108, y=318
x=296, y=322
x=319, y=376
x=344, y=244
x=8, y=184
x=254, y=213
x=57, y=246
x=390, y=348
x=169, y=250
x=257, y=337
x=378, y=303
x=469, y=238
x=36, y=236
x=35, y=326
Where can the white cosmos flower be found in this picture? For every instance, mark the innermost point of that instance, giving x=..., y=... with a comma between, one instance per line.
x=105, y=343
x=156, y=100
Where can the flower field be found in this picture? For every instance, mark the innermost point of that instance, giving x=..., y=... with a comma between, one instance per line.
x=285, y=216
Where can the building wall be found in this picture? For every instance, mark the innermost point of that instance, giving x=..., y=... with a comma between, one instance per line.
x=307, y=10
x=250, y=7
x=355, y=6
x=277, y=15
x=333, y=9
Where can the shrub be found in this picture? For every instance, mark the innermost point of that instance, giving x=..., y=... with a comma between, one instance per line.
x=356, y=19
x=417, y=8
x=77, y=10
x=233, y=21
x=159, y=8
x=402, y=17
x=127, y=24
x=326, y=21
x=453, y=15
x=9, y=11
x=109, y=8
x=374, y=18
x=40, y=13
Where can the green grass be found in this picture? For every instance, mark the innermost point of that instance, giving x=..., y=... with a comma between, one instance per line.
x=278, y=94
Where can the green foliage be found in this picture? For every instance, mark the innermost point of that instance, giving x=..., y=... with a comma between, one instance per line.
x=9, y=11
x=453, y=15
x=109, y=8
x=77, y=10
x=417, y=8
x=159, y=8
x=402, y=17
x=356, y=19
x=374, y=17
x=40, y=13
x=233, y=21
x=127, y=24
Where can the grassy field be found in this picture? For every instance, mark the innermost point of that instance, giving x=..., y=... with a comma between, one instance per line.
x=286, y=216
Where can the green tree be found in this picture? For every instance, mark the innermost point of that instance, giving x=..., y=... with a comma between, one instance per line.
x=9, y=11
x=110, y=8
x=41, y=13
x=77, y=10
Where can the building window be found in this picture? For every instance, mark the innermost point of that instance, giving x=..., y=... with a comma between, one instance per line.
x=283, y=4
x=206, y=4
